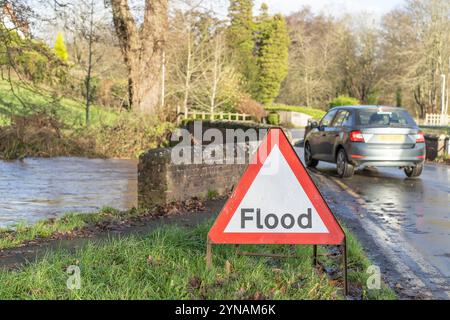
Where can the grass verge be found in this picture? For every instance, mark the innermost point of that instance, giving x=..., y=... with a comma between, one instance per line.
x=169, y=264
x=21, y=233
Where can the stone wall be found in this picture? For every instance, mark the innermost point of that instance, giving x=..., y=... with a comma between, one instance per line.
x=160, y=181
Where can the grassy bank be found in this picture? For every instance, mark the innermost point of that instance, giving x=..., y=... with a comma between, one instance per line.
x=44, y=127
x=313, y=112
x=169, y=264
x=26, y=100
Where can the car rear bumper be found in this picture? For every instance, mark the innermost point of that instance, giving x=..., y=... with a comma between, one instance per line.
x=361, y=154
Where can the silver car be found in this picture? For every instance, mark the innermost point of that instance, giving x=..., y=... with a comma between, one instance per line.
x=358, y=136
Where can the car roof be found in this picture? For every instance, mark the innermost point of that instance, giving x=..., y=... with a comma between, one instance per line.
x=366, y=107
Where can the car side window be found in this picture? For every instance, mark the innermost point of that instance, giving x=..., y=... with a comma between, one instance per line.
x=325, y=122
x=348, y=121
x=340, y=118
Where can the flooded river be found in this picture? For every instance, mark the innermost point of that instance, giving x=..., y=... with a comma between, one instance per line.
x=34, y=189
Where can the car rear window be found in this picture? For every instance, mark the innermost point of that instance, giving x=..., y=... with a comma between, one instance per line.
x=380, y=117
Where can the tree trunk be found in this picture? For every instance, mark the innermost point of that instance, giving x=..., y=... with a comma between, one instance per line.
x=142, y=50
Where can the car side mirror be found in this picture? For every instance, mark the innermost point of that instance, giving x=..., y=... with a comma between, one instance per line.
x=314, y=124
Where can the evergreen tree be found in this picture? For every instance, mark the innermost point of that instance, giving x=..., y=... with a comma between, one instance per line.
x=60, y=48
x=240, y=38
x=272, y=46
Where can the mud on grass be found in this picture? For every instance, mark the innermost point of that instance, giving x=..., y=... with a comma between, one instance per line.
x=74, y=225
x=169, y=263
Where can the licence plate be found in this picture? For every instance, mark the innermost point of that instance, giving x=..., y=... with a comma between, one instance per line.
x=395, y=138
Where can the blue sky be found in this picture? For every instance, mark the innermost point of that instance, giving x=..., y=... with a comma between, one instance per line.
x=335, y=7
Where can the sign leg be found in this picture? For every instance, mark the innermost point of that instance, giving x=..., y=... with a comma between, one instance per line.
x=208, y=253
x=314, y=255
x=344, y=254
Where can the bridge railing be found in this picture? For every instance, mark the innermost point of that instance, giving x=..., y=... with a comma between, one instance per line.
x=222, y=116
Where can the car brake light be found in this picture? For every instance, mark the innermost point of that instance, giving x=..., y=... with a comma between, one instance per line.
x=420, y=138
x=356, y=136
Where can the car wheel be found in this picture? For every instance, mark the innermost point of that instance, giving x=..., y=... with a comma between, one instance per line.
x=344, y=168
x=310, y=162
x=413, y=172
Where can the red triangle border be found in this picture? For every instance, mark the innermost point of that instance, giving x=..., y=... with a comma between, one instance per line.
x=274, y=137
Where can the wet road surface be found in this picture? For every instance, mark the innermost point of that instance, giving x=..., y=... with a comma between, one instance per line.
x=35, y=189
x=408, y=218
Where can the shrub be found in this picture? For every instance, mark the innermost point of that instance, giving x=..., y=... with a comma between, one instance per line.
x=60, y=48
x=344, y=101
x=273, y=118
x=40, y=135
x=32, y=59
x=252, y=107
x=131, y=135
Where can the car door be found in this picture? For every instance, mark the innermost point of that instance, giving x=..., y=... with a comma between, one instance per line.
x=334, y=134
x=318, y=146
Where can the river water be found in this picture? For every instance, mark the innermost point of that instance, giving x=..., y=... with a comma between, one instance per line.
x=34, y=189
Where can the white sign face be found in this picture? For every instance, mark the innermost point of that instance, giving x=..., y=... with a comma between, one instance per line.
x=276, y=203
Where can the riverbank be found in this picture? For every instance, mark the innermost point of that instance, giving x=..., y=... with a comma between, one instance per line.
x=44, y=135
x=159, y=254
x=33, y=123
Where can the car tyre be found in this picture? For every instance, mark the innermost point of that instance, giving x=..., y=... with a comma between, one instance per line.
x=310, y=162
x=414, y=172
x=344, y=168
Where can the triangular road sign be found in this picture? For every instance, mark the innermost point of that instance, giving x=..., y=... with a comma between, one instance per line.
x=276, y=202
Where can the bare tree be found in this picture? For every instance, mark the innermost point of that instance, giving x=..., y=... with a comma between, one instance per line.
x=189, y=40
x=220, y=82
x=314, y=58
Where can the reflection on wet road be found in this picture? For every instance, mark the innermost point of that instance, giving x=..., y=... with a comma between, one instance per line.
x=36, y=189
x=413, y=211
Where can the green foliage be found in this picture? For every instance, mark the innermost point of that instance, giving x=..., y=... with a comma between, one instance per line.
x=273, y=118
x=212, y=194
x=60, y=48
x=32, y=59
x=272, y=56
x=344, y=101
x=260, y=48
x=69, y=111
x=240, y=38
x=315, y=113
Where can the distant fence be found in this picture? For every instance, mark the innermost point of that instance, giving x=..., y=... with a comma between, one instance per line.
x=436, y=120
x=223, y=116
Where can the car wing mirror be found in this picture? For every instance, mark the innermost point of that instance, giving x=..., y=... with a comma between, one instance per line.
x=314, y=125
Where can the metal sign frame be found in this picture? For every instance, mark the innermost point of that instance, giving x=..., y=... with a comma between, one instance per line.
x=336, y=235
